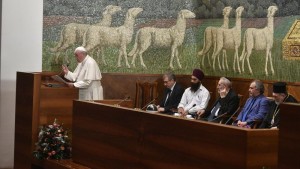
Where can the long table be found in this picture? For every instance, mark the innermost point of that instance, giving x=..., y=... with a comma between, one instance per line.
x=107, y=136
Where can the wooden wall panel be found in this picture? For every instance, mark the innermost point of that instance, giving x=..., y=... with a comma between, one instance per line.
x=118, y=86
x=289, y=136
x=37, y=105
x=294, y=90
x=109, y=143
x=107, y=136
x=26, y=104
x=56, y=103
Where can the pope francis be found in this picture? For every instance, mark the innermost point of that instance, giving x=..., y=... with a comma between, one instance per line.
x=86, y=76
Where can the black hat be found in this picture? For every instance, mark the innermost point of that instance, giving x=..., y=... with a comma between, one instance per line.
x=279, y=87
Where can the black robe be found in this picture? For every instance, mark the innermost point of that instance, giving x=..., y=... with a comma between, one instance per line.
x=229, y=105
x=274, y=111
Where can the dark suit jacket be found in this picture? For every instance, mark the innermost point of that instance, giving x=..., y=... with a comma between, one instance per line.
x=229, y=104
x=273, y=108
x=173, y=100
x=256, y=112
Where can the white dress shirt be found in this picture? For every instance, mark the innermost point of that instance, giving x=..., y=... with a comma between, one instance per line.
x=194, y=101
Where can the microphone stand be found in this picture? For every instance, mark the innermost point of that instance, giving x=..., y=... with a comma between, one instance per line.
x=126, y=98
x=61, y=72
x=194, y=115
x=219, y=117
x=149, y=103
x=59, y=78
x=232, y=116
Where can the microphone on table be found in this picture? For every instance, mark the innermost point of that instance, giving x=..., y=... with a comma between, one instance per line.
x=193, y=114
x=125, y=99
x=231, y=116
x=218, y=117
x=149, y=103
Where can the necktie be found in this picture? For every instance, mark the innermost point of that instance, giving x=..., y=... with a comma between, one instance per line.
x=248, y=109
x=168, y=95
x=215, y=110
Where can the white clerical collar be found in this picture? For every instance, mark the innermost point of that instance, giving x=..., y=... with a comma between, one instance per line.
x=84, y=60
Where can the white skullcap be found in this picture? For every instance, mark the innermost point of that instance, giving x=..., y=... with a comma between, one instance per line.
x=81, y=49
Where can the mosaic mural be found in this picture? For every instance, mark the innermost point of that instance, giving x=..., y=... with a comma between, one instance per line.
x=244, y=39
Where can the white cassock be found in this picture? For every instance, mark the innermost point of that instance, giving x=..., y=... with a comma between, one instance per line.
x=87, y=78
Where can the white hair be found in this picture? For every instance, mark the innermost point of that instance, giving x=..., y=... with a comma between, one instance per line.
x=226, y=82
x=81, y=49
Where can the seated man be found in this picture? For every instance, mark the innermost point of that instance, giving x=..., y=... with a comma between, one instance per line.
x=172, y=94
x=194, y=98
x=280, y=95
x=256, y=107
x=228, y=102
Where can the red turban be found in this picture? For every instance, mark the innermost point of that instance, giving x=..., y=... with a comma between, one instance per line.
x=198, y=74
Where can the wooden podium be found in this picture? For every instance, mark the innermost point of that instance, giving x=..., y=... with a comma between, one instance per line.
x=37, y=105
x=106, y=136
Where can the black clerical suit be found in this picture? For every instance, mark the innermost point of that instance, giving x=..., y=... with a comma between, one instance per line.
x=228, y=104
x=274, y=113
x=172, y=101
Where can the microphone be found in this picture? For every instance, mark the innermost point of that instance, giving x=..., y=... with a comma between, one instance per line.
x=61, y=72
x=193, y=114
x=149, y=103
x=219, y=117
x=67, y=65
x=126, y=98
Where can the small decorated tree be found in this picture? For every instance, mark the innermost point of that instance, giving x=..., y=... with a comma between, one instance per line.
x=53, y=143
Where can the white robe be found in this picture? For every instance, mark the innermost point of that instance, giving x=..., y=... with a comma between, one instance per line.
x=87, y=78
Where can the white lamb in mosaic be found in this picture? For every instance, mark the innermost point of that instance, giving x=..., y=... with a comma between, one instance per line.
x=101, y=37
x=209, y=38
x=162, y=37
x=229, y=39
x=73, y=33
x=260, y=39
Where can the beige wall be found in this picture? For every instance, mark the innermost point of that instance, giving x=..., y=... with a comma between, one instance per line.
x=21, y=50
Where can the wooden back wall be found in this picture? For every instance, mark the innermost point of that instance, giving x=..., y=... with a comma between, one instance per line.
x=119, y=86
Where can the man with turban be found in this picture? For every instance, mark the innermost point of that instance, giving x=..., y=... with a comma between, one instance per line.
x=280, y=95
x=194, y=98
